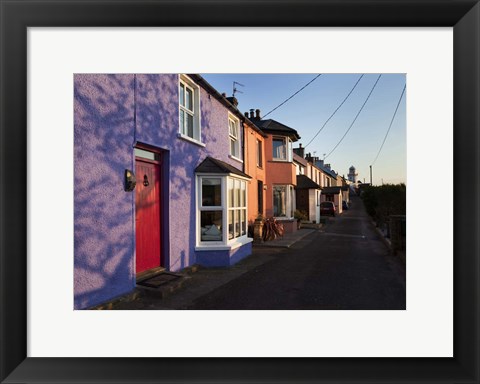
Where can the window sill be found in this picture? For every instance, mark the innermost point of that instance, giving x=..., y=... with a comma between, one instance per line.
x=280, y=161
x=235, y=158
x=234, y=244
x=191, y=140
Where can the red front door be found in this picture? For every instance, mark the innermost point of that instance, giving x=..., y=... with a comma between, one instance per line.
x=147, y=215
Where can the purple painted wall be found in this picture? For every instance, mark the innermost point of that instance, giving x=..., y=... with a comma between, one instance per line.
x=224, y=258
x=103, y=226
x=112, y=114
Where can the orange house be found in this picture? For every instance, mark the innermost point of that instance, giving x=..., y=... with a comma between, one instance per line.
x=281, y=177
x=254, y=166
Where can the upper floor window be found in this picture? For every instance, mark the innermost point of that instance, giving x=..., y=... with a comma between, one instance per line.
x=234, y=132
x=189, y=108
x=282, y=149
x=259, y=154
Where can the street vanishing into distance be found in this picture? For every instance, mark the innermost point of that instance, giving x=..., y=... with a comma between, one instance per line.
x=346, y=266
x=343, y=266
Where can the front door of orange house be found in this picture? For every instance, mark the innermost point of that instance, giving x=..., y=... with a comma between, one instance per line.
x=147, y=214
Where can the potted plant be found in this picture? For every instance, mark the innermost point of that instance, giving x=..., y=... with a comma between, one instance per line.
x=299, y=216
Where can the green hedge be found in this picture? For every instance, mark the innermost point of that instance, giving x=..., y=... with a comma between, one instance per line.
x=383, y=201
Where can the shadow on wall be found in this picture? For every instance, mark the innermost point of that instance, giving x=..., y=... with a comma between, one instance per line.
x=158, y=125
x=103, y=212
x=112, y=113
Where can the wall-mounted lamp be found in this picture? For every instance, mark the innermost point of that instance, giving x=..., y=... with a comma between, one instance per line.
x=265, y=187
x=145, y=181
x=130, y=181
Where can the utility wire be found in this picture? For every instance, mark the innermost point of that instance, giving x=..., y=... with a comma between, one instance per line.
x=334, y=112
x=301, y=89
x=355, y=119
x=391, y=122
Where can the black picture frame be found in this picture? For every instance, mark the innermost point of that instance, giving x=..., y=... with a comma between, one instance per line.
x=18, y=15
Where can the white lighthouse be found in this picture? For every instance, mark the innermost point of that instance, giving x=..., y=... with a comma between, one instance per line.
x=352, y=175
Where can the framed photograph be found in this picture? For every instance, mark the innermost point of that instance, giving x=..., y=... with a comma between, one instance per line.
x=45, y=337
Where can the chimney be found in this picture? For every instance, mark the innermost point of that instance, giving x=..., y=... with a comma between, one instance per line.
x=300, y=151
x=257, y=114
x=252, y=114
x=246, y=114
x=327, y=166
x=233, y=100
x=224, y=94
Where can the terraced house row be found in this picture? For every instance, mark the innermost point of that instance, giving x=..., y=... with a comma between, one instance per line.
x=169, y=173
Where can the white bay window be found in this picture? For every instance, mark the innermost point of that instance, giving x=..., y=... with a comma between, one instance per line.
x=221, y=210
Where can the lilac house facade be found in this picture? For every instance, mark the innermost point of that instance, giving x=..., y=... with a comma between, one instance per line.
x=159, y=180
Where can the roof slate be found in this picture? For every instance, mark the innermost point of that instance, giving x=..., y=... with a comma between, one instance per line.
x=304, y=182
x=331, y=190
x=211, y=165
x=273, y=126
x=300, y=159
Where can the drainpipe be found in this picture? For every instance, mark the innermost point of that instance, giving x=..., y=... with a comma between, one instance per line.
x=243, y=148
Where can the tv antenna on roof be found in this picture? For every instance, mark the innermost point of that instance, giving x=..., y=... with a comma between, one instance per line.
x=235, y=90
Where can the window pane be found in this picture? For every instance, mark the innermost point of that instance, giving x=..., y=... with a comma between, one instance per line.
x=289, y=150
x=279, y=201
x=146, y=154
x=230, y=225
x=242, y=194
x=279, y=149
x=182, y=95
x=259, y=153
x=230, y=193
x=211, y=226
x=237, y=223
x=237, y=193
x=182, y=122
x=233, y=128
x=211, y=192
x=189, y=99
x=190, y=125
x=292, y=201
x=244, y=221
x=233, y=147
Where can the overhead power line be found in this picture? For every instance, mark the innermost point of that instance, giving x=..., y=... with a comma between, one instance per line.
x=391, y=122
x=301, y=89
x=334, y=112
x=355, y=119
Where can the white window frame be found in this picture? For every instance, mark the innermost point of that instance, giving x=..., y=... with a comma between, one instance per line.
x=195, y=113
x=290, y=204
x=225, y=208
x=288, y=149
x=201, y=208
x=235, y=138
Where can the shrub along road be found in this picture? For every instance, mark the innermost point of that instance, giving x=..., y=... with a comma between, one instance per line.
x=345, y=266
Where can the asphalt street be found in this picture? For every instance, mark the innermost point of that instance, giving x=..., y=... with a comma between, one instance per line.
x=344, y=266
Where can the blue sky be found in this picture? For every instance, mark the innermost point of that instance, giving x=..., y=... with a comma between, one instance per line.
x=308, y=111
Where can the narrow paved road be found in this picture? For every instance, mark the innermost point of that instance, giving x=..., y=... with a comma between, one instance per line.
x=346, y=266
